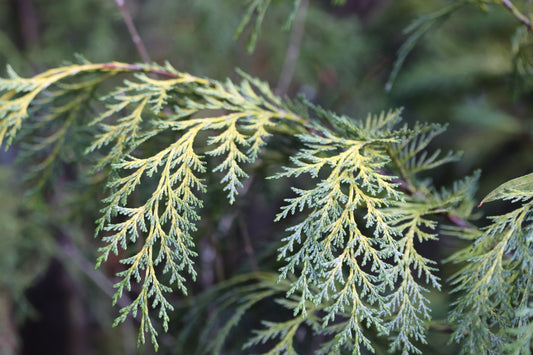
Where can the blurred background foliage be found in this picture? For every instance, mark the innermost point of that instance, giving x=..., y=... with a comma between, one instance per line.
x=473, y=72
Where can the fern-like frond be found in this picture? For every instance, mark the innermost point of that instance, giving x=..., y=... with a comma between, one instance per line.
x=166, y=219
x=413, y=273
x=495, y=274
x=234, y=122
x=54, y=129
x=129, y=104
x=522, y=332
x=283, y=334
x=334, y=259
x=283, y=330
x=18, y=95
x=349, y=262
x=373, y=127
x=408, y=305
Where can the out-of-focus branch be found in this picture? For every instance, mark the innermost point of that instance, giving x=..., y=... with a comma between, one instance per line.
x=29, y=22
x=248, y=248
x=293, y=51
x=8, y=329
x=133, y=31
x=520, y=16
x=104, y=284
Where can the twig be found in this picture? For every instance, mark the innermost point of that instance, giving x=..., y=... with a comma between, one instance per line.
x=87, y=268
x=446, y=329
x=520, y=16
x=222, y=229
x=133, y=31
x=248, y=248
x=28, y=19
x=73, y=253
x=9, y=343
x=407, y=184
x=293, y=51
x=404, y=178
x=142, y=68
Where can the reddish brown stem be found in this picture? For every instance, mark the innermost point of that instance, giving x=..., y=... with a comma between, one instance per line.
x=133, y=31
x=134, y=67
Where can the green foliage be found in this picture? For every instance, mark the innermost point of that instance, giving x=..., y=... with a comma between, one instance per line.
x=522, y=65
x=495, y=280
x=255, y=14
x=169, y=212
x=328, y=242
x=356, y=267
x=26, y=246
x=351, y=272
x=421, y=26
x=257, y=9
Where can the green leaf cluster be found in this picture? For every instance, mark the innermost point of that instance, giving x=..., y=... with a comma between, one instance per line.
x=349, y=273
x=492, y=312
x=351, y=255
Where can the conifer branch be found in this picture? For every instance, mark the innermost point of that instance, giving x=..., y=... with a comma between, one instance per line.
x=348, y=264
x=350, y=269
x=405, y=179
x=498, y=259
x=135, y=113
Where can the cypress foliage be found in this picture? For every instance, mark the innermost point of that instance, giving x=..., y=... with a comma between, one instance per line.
x=349, y=268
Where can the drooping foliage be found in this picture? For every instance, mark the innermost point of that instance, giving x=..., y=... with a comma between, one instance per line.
x=349, y=271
